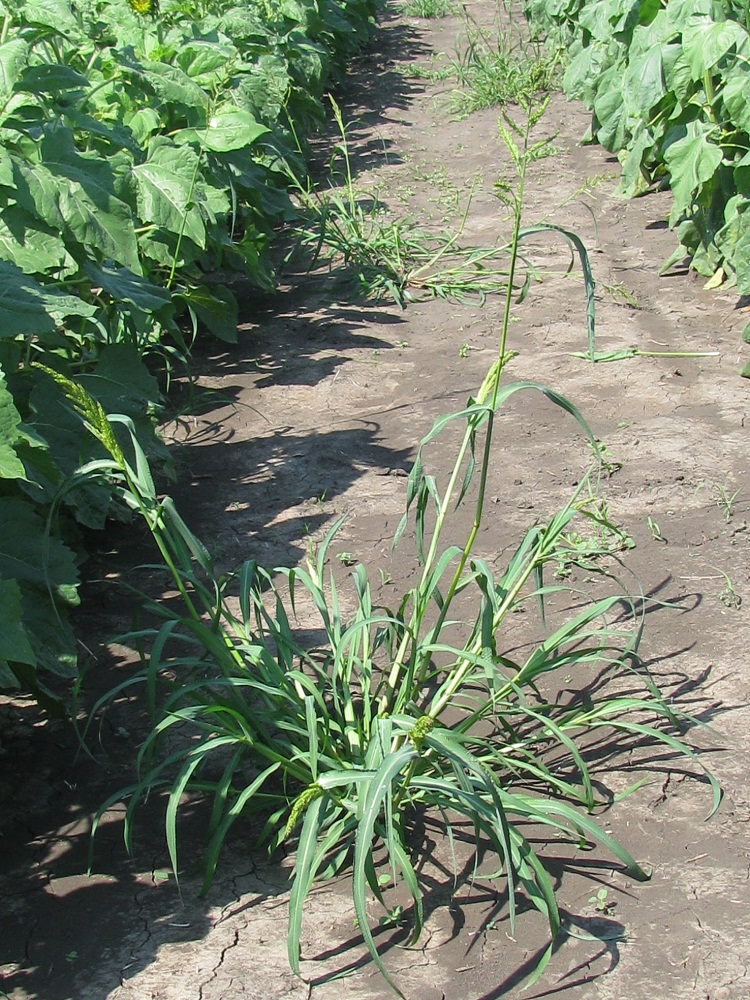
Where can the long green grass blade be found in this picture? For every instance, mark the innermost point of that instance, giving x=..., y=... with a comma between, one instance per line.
x=374, y=798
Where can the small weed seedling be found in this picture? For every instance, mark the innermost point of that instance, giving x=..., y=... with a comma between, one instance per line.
x=434, y=72
x=725, y=500
x=587, y=549
x=729, y=596
x=604, y=456
x=620, y=293
x=602, y=903
x=655, y=530
x=394, y=918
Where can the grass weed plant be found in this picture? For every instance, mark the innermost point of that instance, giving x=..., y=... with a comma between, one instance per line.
x=429, y=9
x=499, y=67
x=423, y=707
x=432, y=72
x=382, y=256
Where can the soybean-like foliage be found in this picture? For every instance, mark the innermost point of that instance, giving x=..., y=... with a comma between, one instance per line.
x=425, y=706
x=668, y=83
x=144, y=150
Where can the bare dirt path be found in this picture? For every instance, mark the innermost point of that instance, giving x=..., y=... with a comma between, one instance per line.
x=317, y=413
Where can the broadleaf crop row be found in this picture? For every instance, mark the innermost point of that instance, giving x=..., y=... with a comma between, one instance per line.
x=142, y=152
x=668, y=83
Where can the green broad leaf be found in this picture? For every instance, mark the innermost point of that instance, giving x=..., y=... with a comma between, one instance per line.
x=8, y=678
x=88, y=185
x=167, y=194
x=134, y=386
x=26, y=307
x=705, y=42
x=309, y=61
x=55, y=424
x=34, y=452
x=598, y=19
x=11, y=466
x=736, y=97
x=173, y=86
x=733, y=240
x=634, y=179
x=124, y=386
x=50, y=632
x=263, y=87
x=56, y=14
x=161, y=248
x=231, y=128
x=14, y=642
x=70, y=199
x=304, y=13
x=28, y=243
x=22, y=115
x=50, y=78
x=676, y=71
x=14, y=56
x=203, y=60
x=692, y=161
x=217, y=199
x=117, y=138
x=216, y=307
x=143, y=124
x=124, y=286
x=6, y=169
x=242, y=24
x=681, y=12
x=47, y=576
x=265, y=190
x=645, y=12
x=609, y=108
x=228, y=128
x=644, y=83
x=582, y=73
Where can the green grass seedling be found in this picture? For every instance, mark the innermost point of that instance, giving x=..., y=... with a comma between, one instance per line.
x=729, y=596
x=725, y=500
x=655, y=530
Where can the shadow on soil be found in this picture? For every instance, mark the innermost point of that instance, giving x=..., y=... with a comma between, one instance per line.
x=62, y=930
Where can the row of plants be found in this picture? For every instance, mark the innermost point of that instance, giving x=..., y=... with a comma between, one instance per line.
x=444, y=704
x=146, y=155
x=440, y=705
x=668, y=82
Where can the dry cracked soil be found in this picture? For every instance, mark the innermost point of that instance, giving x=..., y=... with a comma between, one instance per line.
x=316, y=413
